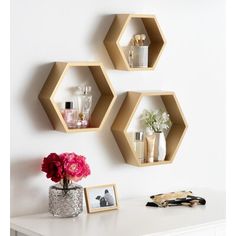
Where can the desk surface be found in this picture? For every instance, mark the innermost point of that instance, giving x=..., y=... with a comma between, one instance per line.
x=132, y=217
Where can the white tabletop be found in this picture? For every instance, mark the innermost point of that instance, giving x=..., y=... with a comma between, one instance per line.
x=132, y=218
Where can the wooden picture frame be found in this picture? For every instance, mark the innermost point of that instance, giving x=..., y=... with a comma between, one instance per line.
x=101, y=198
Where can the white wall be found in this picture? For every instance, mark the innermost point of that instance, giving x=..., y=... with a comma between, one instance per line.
x=192, y=65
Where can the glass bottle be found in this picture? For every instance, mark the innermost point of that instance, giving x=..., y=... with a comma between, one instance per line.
x=78, y=98
x=139, y=146
x=70, y=115
x=85, y=101
x=82, y=121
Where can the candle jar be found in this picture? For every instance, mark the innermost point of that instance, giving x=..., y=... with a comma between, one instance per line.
x=140, y=56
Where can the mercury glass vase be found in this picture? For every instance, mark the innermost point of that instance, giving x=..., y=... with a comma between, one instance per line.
x=160, y=146
x=65, y=200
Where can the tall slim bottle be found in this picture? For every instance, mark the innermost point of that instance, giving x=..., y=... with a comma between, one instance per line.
x=139, y=146
x=84, y=104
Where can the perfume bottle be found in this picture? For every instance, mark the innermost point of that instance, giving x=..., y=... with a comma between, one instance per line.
x=70, y=115
x=82, y=122
x=79, y=91
x=139, y=146
x=84, y=104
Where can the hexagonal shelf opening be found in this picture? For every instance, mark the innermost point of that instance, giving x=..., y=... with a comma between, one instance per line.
x=130, y=111
x=74, y=77
x=123, y=28
x=63, y=78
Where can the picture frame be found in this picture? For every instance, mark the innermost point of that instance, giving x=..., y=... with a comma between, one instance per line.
x=101, y=198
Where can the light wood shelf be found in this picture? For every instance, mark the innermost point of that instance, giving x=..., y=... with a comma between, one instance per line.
x=52, y=84
x=116, y=31
x=125, y=116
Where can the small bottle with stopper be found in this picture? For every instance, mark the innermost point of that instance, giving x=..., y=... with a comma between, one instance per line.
x=82, y=121
x=69, y=114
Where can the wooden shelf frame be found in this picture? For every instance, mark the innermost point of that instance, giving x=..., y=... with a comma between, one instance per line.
x=112, y=39
x=125, y=115
x=52, y=84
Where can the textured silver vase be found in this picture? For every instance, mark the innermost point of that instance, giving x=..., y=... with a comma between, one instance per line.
x=160, y=143
x=65, y=202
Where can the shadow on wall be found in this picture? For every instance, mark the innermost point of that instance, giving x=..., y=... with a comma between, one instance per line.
x=30, y=98
x=103, y=23
x=105, y=136
x=23, y=191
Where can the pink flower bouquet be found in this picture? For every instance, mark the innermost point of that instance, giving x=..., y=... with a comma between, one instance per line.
x=66, y=167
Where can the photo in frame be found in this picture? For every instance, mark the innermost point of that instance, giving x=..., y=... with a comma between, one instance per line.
x=101, y=198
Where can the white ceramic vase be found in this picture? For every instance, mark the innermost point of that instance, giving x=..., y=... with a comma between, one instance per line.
x=160, y=143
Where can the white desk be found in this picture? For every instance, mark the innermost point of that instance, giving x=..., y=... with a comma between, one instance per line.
x=133, y=218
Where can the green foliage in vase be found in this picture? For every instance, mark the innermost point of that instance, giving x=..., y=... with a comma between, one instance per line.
x=157, y=121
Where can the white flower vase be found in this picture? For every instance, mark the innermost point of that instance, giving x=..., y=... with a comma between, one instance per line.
x=160, y=147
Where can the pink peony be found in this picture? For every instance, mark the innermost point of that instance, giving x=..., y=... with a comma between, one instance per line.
x=65, y=166
x=53, y=166
x=75, y=166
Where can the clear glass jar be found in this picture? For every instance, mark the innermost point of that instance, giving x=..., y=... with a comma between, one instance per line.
x=140, y=57
x=66, y=202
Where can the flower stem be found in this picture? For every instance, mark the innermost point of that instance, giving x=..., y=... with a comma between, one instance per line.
x=65, y=183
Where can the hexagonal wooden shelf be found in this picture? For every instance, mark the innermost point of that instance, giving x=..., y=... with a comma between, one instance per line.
x=116, y=31
x=52, y=83
x=124, y=118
